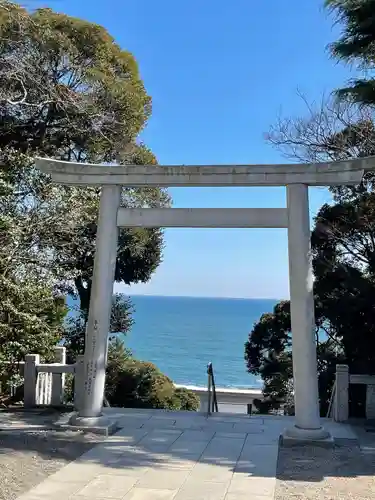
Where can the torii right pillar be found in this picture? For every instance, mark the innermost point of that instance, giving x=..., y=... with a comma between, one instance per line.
x=307, y=426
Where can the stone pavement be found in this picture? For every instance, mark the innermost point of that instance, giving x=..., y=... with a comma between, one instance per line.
x=174, y=455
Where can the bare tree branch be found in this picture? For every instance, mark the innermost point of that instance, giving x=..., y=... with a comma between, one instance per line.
x=324, y=133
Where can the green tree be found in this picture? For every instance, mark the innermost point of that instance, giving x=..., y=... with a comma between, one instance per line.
x=31, y=309
x=356, y=45
x=30, y=322
x=120, y=323
x=68, y=91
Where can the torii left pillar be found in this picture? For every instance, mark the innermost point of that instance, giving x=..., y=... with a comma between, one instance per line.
x=96, y=345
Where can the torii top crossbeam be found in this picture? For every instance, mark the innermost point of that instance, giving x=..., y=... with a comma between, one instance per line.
x=347, y=172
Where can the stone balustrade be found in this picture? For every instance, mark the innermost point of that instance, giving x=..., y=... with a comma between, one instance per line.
x=44, y=383
x=341, y=393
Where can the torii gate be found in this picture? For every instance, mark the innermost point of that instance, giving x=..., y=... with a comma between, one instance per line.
x=295, y=218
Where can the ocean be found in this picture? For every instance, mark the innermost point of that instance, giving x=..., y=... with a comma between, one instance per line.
x=182, y=334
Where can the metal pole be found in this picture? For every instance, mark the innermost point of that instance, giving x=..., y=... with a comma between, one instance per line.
x=209, y=389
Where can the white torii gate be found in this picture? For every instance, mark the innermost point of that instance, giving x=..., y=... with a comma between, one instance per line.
x=295, y=218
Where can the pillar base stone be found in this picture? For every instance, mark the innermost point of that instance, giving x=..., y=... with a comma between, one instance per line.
x=296, y=436
x=96, y=425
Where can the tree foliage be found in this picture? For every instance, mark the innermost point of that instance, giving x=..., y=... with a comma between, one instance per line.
x=140, y=384
x=121, y=322
x=31, y=309
x=356, y=45
x=67, y=88
x=67, y=91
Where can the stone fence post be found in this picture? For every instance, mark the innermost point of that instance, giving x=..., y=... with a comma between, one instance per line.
x=341, y=399
x=79, y=378
x=370, y=401
x=58, y=379
x=30, y=380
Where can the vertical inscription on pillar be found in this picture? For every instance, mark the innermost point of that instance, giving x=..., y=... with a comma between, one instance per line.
x=92, y=366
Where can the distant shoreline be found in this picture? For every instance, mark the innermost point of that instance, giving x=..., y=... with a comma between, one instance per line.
x=224, y=389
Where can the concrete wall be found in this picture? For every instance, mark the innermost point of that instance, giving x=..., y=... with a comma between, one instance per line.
x=237, y=398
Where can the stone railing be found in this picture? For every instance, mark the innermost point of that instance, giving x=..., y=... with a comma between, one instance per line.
x=340, y=406
x=44, y=384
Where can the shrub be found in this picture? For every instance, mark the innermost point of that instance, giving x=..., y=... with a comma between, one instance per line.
x=131, y=383
x=118, y=356
x=140, y=384
x=263, y=407
x=186, y=399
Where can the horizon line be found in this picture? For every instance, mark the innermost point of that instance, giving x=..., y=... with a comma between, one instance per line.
x=201, y=297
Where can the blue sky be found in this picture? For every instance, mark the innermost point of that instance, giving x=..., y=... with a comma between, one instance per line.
x=220, y=73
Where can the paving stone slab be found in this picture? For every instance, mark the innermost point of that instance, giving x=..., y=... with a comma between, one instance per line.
x=188, y=447
x=246, y=496
x=165, y=432
x=219, y=426
x=151, y=424
x=149, y=494
x=236, y=420
x=127, y=435
x=231, y=435
x=248, y=429
x=108, y=485
x=131, y=469
x=171, y=479
x=236, y=441
x=255, y=467
x=235, y=417
x=132, y=420
x=52, y=489
x=79, y=497
x=228, y=457
x=260, y=452
x=214, y=473
x=262, y=439
x=81, y=473
x=201, y=490
x=192, y=435
x=176, y=463
x=105, y=453
x=253, y=485
x=159, y=438
x=193, y=425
